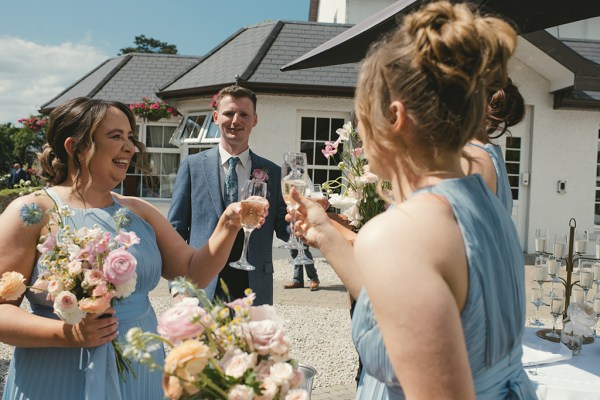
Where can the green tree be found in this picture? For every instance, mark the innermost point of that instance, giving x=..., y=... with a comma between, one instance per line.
x=6, y=147
x=26, y=144
x=149, y=45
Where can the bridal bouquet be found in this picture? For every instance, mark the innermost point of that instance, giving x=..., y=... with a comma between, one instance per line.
x=84, y=269
x=355, y=192
x=220, y=350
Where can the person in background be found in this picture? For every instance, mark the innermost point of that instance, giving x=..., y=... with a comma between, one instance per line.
x=90, y=146
x=199, y=196
x=439, y=276
x=311, y=272
x=17, y=174
x=505, y=108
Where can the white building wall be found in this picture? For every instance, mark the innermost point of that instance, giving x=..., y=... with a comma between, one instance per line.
x=349, y=11
x=563, y=146
x=277, y=129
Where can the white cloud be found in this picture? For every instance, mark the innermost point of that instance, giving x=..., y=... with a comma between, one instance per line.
x=32, y=74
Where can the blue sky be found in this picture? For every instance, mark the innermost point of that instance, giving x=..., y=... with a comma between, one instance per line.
x=46, y=45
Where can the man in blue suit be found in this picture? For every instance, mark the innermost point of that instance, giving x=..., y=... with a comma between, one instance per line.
x=16, y=174
x=198, y=197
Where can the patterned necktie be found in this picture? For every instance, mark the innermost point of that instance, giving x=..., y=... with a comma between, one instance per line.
x=231, y=182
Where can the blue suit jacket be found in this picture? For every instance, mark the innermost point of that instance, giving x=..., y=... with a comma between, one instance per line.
x=197, y=204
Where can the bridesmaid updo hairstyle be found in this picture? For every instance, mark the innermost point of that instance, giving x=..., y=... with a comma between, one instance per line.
x=440, y=63
x=505, y=108
x=77, y=118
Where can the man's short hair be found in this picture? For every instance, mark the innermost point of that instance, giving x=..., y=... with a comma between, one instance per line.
x=237, y=92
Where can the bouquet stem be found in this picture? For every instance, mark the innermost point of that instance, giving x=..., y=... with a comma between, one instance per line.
x=123, y=363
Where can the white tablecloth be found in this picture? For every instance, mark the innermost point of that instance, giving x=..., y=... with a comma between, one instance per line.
x=577, y=378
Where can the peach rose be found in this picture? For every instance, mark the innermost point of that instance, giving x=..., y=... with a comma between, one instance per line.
x=171, y=387
x=12, y=285
x=96, y=305
x=187, y=361
x=236, y=363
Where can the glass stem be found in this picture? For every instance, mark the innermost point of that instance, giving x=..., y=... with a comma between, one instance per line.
x=247, y=233
x=537, y=311
x=554, y=324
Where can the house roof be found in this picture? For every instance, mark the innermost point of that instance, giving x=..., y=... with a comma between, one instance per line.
x=253, y=57
x=125, y=78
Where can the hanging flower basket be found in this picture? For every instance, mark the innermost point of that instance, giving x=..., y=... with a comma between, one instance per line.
x=35, y=122
x=150, y=110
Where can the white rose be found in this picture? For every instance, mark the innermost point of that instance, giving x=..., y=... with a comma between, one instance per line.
x=67, y=309
x=236, y=363
x=297, y=394
x=127, y=288
x=282, y=373
x=240, y=392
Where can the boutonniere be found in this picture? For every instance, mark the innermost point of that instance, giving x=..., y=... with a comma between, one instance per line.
x=260, y=174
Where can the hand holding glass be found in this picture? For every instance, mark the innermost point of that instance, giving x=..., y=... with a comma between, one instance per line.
x=254, y=200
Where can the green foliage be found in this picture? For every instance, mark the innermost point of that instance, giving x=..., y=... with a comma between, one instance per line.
x=7, y=131
x=26, y=144
x=149, y=45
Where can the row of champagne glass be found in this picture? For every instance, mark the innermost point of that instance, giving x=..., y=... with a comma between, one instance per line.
x=559, y=244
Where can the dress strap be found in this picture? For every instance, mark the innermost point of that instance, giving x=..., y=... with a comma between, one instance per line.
x=53, y=196
x=115, y=200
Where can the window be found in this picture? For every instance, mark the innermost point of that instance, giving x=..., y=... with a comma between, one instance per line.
x=316, y=129
x=513, y=164
x=597, y=203
x=196, y=128
x=163, y=159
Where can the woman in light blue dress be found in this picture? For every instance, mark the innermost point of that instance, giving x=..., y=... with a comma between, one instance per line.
x=439, y=276
x=90, y=146
x=505, y=108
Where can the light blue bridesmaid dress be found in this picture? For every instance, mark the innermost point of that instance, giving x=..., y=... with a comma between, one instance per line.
x=503, y=190
x=91, y=373
x=493, y=318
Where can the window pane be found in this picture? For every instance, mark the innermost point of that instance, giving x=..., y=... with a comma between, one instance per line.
x=319, y=157
x=515, y=193
x=513, y=142
x=322, y=129
x=154, y=136
x=309, y=149
x=151, y=186
x=307, y=128
x=514, y=180
x=166, y=185
x=320, y=176
x=512, y=168
x=213, y=131
x=168, y=131
x=170, y=162
x=131, y=185
x=193, y=126
x=597, y=214
x=598, y=195
x=513, y=155
x=336, y=123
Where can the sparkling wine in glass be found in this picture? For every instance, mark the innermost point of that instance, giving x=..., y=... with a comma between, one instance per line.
x=596, y=306
x=557, y=306
x=537, y=300
x=541, y=237
x=560, y=243
x=596, y=276
x=581, y=240
x=293, y=175
x=541, y=271
x=253, y=203
x=586, y=279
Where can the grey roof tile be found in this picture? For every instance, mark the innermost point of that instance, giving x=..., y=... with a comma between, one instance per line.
x=589, y=49
x=127, y=78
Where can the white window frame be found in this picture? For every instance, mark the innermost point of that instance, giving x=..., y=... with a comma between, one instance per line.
x=345, y=116
x=201, y=137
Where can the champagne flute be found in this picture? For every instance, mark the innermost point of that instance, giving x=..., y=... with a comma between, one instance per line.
x=560, y=242
x=585, y=279
x=540, y=272
x=541, y=237
x=597, y=313
x=557, y=306
x=537, y=301
x=293, y=175
x=316, y=192
x=581, y=239
x=290, y=160
x=553, y=271
x=254, y=195
x=596, y=276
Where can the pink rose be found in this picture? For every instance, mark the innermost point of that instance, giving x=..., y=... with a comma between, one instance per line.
x=176, y=324
x=236, y=363
x=48, y=244
x=119, y=266
x=260, y=175
x=95, y=305
x=102, y=244
x=92, y=277
x=282, y=373
x=269, y=389
x=127, y=239
x=263, y=333
x=65, y=306
x=55, y=286
x=75, y=267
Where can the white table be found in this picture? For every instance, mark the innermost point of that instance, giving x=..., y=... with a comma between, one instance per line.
x=575, y=379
